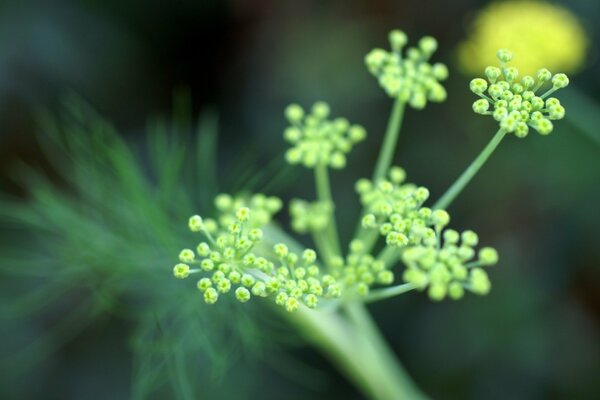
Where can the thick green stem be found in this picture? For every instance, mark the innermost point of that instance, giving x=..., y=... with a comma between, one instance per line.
x=324, y=195
x=358, y=349
x=389, y=142
x=470, y=172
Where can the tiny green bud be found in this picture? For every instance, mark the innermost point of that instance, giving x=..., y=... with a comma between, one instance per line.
x=469, y=238
x=207, y=264
x=186, y=256
x=478, y=86
x=211, y=296
x=243, y=214
x=455, y=291
x=281, y=250
x=320, y=110
x=480, y=283
x=543, y=75
x=309, y=256
x=203, y=284
x=398, y=39
x=247, y=280
x=224, y=285
x=311, y=300
x=428, y=45
x=181, y=271
x=440, y=218
x=195, y=223
x=203, y=249
x=294, y=113
x=368, y=221
x=481, y=106
x=493, y=73
x=242, y=294
x=560, y=81
x=504, y=55
x=292, y=304
x=488, y=256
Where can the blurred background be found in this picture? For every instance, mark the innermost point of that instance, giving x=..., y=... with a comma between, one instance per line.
x=90, y=227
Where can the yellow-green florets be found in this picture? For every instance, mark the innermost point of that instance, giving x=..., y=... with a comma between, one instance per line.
x=514, y=102
x=317, y=140
x=409, y=76
x=232, y=259
x=449, y=266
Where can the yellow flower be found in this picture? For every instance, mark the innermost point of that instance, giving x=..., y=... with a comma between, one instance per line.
x=538, y=33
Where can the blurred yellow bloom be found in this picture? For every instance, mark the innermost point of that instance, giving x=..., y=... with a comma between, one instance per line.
x=538, y=33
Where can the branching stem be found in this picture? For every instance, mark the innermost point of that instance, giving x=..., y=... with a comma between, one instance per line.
x=470, y=172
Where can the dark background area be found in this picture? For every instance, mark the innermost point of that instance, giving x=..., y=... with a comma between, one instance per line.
x=535, y=336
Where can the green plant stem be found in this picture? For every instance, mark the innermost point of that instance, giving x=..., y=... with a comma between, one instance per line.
x=388, y=292
x=357, y=348
x=389, y=142
x=324, y=195
x=384, y=161
x=470, y=172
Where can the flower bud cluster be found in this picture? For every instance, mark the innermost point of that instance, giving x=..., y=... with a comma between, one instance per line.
x=263, y=208
x=513, y=102
x=310, y=217
x=229, y=261
x=410, y=77
x=451, y=267
x=396, y=209
x=317, y=140
x=360, y=270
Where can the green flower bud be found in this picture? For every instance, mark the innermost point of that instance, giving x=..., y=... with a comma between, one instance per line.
x=469, y=238
x=294, y=113
x=521, y=130
x=211, y=296
x=385, y=277
x=247, y=280
x=235, y=277
x=223, y=286
x=440, y=218
x=440, y=71
x=504, y=55
x=481, y=106
x=203, y=249
x=186, y=256
x=451, y=236
x=259, y=289
x=292, y=304
x=207, y=264
x=428, y=45
x=543, y=75
x=493, y=73
x=195, y=223
x=437, y=292
x=311, y=300
x=203, y=284
x=242, y=294
x=560, y=81
x=480, y=283
x=544, y=126
x=398, y=39
x=488, y=256
x=527, y=82
x=181, y=271
x=511, y=73
x=281, y=250
x=478, y=86
x=455, y=291
x=292, y=134
x=320, y=110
